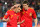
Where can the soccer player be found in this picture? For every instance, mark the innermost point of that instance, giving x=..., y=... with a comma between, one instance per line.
x=11, y=16
x=28, y=14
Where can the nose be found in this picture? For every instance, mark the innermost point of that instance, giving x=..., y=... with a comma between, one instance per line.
x=20, y=8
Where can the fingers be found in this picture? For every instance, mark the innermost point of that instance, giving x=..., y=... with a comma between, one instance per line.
x=12, y=7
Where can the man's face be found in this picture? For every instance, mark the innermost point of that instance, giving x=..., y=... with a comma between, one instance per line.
x=25, y=6
x=18, y=8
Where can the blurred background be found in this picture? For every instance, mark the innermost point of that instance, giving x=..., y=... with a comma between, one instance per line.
x=6, y=4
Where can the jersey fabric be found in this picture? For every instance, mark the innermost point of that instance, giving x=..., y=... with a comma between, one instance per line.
x=12, y=17
x=19, y=14
x=28, y=15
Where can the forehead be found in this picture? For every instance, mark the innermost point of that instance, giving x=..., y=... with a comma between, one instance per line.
x=24, y=4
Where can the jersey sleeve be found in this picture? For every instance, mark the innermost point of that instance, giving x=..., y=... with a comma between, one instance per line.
x=6, y=15
x=34, y=14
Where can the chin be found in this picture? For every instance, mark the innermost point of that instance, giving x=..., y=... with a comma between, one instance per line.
x=17, y=12
x=25, y=9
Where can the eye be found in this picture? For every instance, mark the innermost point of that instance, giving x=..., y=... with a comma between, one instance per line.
x=14, y=7
x=18, y=6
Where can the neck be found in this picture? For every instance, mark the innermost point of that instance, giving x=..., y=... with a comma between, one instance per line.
x=27, y=8
x=15, y=11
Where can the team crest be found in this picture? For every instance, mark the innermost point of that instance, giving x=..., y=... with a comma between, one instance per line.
x=11, y=16
x=30, y=14
x=15, y=14
x=23, y=12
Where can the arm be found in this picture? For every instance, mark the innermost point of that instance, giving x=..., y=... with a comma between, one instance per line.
x=35, y=18
x=20, y=22
x=22, y=19
x=5, y=18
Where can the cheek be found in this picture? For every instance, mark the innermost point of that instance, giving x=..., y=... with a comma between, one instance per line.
x=18, y=10
x=24, y=7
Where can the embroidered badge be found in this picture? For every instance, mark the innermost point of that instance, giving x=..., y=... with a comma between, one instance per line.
x=30, y=14
x=15, y=14
x=11, y=16
x=23, y=12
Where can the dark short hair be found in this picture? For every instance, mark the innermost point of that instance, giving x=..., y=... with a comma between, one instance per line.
x=25, y=2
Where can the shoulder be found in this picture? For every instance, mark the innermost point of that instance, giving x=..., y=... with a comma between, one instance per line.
x=31, y=9
x=9, y=10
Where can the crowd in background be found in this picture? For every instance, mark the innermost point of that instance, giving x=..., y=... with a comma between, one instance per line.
x=6, y=4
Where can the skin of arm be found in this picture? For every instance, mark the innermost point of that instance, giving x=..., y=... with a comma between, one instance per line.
x=5, y=20
x=35, y=20
x=21, y=22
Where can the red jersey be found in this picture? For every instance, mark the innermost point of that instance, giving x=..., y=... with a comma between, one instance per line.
x=28, y=15
x=13, y=18
x=19, y=14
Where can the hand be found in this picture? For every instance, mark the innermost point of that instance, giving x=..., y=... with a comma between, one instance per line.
x=12, y=7
x=19, y=23
x=35, y=26
x=23, y=21
x=8, y=20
